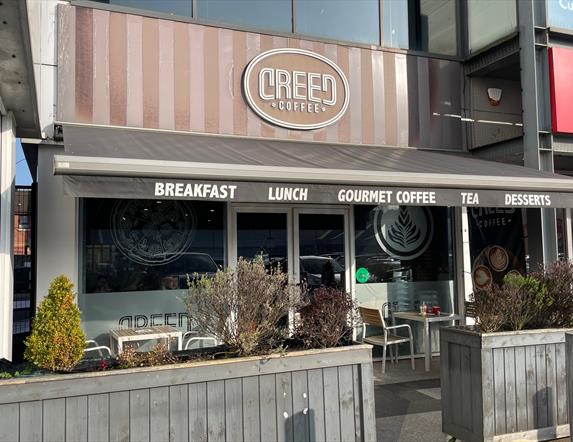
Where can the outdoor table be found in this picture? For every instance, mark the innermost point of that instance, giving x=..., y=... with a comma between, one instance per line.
x=122, y=335
x=427, y=319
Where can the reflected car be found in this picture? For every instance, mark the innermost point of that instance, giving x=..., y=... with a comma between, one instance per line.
x=195, y=266
x=381, y=267
x=312, y=271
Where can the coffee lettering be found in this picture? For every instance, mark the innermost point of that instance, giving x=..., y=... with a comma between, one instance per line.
x=415, y=197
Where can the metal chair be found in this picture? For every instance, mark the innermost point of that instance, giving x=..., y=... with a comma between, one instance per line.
x=375, y=318
x=92, y=345
x=201, y=340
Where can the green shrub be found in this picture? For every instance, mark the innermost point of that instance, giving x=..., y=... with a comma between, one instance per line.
x=57, y=341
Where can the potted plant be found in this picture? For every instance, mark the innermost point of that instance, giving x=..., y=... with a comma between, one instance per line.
x=504, y=378
x=267, y=384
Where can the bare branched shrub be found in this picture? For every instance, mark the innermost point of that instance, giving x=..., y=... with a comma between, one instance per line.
x=490, y=314
x=556, y=306
x=246, y=308
x=326, y=321
x=159, y=355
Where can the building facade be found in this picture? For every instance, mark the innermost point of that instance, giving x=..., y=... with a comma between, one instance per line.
x=342, y=141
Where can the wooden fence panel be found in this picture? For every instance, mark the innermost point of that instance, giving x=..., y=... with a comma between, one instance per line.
x=119, y=416
x=77, y=419
x=98, y=418
x=31, y=421
x=54, y=419
x=315, y=400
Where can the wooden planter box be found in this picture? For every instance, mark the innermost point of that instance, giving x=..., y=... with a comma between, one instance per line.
x=569, y=369
x=503, y=386
x=306, y=395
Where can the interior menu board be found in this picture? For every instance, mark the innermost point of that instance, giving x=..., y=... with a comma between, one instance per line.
x=496, y=244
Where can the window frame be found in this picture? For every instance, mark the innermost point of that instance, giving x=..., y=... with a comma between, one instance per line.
x=460, y=57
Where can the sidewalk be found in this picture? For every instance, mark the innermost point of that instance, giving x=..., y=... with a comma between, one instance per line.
x=408, y=403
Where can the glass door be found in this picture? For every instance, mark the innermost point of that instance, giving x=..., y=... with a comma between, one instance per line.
x=321, y=251
x=263, y=232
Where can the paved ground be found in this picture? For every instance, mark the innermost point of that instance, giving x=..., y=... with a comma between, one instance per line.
x=408, y=403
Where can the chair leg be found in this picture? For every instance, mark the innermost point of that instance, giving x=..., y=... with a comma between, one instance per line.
x=391, y=350
x=384, y=359
x=412, y=355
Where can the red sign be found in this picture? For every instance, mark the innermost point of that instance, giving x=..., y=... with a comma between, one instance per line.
x=560, y=75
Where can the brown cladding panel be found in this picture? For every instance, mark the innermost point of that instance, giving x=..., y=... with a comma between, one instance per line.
x=83, y=65
x=150, y=45
x=181, y=76
x=188, y=77
x=118, y=69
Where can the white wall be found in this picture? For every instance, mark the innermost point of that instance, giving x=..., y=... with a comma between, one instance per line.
x=57, y=225
x=7, y=194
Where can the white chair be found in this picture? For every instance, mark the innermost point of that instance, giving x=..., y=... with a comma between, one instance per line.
x=374, y=317
x=92, y=346
x=201, y=340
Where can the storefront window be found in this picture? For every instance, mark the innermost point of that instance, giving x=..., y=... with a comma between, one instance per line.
x=490, y=21
x=269, y=14
x=560, y=14
x=176, y=7
x=137, y=256
x=346, y=20
x=404, y=256
x=496, y=244
x=433, y=26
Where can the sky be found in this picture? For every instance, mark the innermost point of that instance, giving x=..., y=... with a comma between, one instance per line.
x=23, y=177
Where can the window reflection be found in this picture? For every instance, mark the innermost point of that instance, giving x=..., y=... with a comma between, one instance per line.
x=404, y=256
x=267, y=14
x=433, y=26
x=263, y=235
x=490, y=21
x=176, y=7
x=141, y=245
x=347, y=20
x=321, y=248
x=396, y=23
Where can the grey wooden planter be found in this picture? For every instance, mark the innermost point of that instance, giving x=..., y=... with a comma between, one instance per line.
x=307, y=395
x=503, y=386
x=569, y=369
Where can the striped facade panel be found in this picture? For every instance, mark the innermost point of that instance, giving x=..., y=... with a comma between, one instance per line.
x=126, y=70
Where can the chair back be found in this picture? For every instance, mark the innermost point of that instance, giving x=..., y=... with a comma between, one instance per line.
x=470, y=309
x=372, y=316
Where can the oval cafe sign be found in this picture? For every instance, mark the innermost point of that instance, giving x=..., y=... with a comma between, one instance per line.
x=296, y=89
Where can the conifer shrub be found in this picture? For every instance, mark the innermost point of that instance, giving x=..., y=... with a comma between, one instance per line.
x=57, y=340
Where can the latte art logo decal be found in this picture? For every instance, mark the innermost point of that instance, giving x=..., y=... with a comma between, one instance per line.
x=296, y=89
x=404, y=232
x=152, y=232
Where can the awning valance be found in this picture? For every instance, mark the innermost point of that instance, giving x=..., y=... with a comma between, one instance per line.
x=125, y=163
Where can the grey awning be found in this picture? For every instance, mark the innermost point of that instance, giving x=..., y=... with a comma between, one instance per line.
x=134, y=161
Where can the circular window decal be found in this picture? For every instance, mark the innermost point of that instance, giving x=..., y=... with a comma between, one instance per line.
x=152, y=232
x=403, y=232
